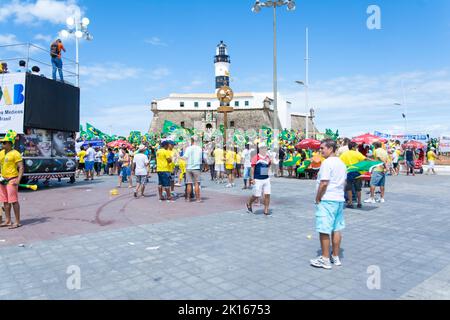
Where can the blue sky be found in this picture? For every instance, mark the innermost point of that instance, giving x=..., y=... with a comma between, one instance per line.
x=145, y=50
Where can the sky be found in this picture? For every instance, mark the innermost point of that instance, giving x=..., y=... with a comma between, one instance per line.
x=146, y=50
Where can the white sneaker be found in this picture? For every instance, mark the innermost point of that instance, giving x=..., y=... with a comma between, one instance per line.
x=381, y=200
x=370, y=200
x=336, y=261
x=228, y=186
x=322, y=262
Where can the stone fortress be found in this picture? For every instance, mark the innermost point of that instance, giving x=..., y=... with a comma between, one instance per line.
x=252, y=110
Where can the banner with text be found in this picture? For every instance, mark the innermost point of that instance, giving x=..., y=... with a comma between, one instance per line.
x=403, y=137
x=12, y=102
x=444, y=144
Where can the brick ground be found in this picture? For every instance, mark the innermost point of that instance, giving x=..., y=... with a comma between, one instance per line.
x=141, y=249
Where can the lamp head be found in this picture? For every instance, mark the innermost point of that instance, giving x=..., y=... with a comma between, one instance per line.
x=291, y=5
x=85, y=22
x=64, y=34
x=257, y=7
x=70, y=22
x=79, y=34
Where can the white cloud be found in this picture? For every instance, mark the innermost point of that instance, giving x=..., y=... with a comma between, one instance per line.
x=120, y=120
x=159, y=73
x=6, y=39
x=155, y=41
x=15, y=45
x=361, y=103
x=99, y=74
x=31, y=12
x=42, y=37
x=193, y=85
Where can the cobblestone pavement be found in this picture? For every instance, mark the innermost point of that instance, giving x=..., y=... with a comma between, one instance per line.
x=143, y=249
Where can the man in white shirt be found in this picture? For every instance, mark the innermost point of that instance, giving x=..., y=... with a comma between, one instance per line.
x=98, y=161
x=141, y=170
x=194, y=160
x=89, y=163
x=247, y=159
x=330, y=200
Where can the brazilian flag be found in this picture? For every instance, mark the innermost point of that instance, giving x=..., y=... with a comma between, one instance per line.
x=239, y=138
x=169, y=127
x=94, y=132
x=287, y=135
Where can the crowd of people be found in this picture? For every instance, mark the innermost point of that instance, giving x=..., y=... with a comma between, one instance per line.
x=183, y=163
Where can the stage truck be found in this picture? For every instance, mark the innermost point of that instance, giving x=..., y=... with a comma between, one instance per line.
x=46, y=116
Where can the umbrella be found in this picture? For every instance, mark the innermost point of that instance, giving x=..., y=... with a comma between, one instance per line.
x=368, y=139
x=309, y=144
x=120, y=144
x=414, y=144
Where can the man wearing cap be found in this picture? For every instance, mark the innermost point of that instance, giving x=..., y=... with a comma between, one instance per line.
x=163, y=161
x=432, y=157
x=141, y=170
x=12, y=170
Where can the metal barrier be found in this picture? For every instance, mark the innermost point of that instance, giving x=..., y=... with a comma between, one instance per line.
x=37, y=56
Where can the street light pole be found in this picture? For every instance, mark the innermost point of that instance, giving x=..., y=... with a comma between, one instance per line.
x=275, y=70
x=406, y=107
x=79, y=28
x=257, y=8
x=307, y=83
x=77, y=53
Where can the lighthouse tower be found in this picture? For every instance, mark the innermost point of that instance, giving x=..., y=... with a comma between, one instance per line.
x=222, y=62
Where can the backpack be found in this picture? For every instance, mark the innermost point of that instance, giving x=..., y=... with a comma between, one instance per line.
x=54, y=50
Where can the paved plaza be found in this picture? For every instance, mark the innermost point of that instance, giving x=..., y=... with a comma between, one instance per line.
x=142, y=249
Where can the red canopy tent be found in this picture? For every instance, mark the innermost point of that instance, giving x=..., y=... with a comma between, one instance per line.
x=309, y=144
x=120, y=144
x=368, y=139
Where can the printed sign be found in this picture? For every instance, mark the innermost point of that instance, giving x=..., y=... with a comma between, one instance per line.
x=12, y=102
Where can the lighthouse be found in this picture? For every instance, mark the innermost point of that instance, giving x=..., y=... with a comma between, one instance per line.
x=222, y=62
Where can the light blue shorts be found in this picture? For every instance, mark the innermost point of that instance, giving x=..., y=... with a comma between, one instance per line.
x=247, y=173
x=330, y=217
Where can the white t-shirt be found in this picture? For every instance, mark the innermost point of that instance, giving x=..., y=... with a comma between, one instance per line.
x=193, y=157
x=334, y=171
x=395, y=157
x=141, y=162
x=98, y=156
x=247, y=156
x=78, y=146
x=90, y=155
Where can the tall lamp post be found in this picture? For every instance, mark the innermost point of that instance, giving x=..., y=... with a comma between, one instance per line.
x=79, y=28
x=404, y=104
x=302, y=83
x=256, y=9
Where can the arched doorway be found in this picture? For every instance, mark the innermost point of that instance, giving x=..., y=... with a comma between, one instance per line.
x=209, y=126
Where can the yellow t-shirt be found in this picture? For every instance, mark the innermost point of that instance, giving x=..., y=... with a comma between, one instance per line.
x=238, y=158
x=161, y=160
x=218, y=156
x=171, y=156
x=9, y=163
x=81, y=155
x=431, y=156
x=230, y=160
x=381, y=155
x=104, y=158
x=352, y=157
